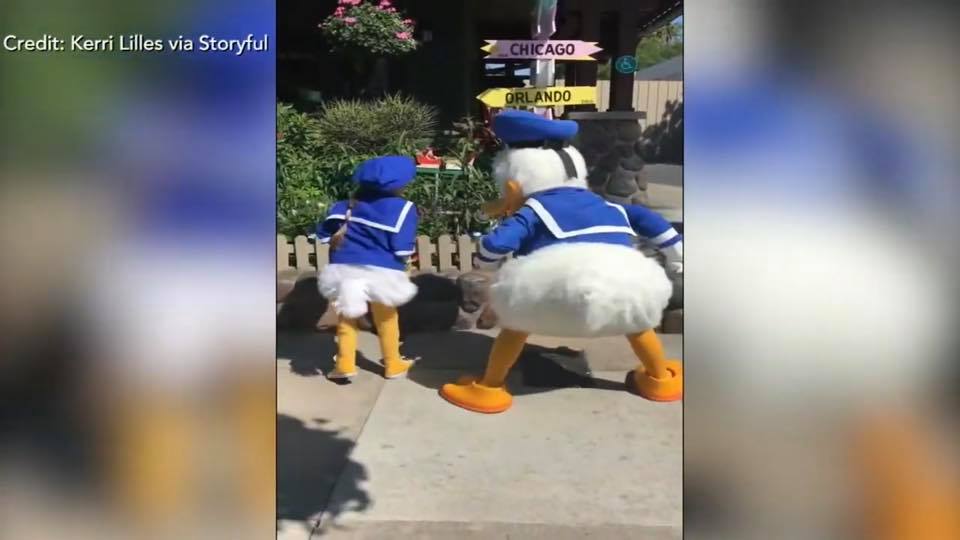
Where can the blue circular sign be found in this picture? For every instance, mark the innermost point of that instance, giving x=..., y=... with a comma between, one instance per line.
x=626, y=64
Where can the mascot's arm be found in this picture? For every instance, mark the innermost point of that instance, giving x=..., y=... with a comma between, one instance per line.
x=404, y=242
x=654, y=228
x=506, y=238
x=332, y=222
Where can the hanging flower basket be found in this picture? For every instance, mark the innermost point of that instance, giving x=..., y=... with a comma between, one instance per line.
x=374, y=27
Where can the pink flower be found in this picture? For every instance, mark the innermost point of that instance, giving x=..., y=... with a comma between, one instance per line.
x=349, y=2
x=403, y=35
x=384, y=3
x=338, y=12
x=350, y=20
x=408, y=21
x=391, y=10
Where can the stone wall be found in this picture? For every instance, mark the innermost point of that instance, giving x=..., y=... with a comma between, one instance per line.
x=612, y=145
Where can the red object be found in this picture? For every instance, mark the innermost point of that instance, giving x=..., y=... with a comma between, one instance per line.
x=427, y=159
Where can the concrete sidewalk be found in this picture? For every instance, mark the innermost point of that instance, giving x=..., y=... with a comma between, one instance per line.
x=665, y=190
x=377, y=458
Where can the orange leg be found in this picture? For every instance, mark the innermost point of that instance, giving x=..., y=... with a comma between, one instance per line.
x=489, y=395
x=656, y=378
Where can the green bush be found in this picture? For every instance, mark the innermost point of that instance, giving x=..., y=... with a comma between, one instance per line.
x=388, y=125
x=310, y=174
x=315, y=162
x=451, y=205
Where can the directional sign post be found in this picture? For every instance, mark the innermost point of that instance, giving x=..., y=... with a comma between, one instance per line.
x=542, y=69
x=539, y=97
x=544, y=52
x=514, y=49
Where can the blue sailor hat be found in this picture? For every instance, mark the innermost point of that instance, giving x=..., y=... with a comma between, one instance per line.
x=514, y=126
x=386, y=173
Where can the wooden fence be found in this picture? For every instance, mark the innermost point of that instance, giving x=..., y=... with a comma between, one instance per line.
x=444, y=253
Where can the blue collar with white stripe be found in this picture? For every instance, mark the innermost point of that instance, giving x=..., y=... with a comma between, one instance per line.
x=385, y=214
x=570, y=212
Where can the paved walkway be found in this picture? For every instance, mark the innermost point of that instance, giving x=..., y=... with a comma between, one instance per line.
x=378, y=459
x=665, y=190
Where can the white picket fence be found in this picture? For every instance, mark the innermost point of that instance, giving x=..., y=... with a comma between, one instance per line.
x=439, y=255
x=444, y=253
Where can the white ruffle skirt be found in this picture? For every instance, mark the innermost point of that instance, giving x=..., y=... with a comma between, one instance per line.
x=581, y=290
x=350, y=287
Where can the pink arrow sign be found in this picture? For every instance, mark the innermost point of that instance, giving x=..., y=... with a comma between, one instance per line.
x=506, y=49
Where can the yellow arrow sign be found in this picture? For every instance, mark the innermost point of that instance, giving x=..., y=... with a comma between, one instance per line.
x=539, y=97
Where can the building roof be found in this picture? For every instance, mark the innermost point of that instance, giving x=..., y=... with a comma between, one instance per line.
x=668, y=70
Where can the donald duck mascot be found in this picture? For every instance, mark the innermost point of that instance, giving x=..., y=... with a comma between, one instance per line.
x=576, y=272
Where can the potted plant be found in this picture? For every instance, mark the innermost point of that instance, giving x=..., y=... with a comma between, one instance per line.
x=365, y=33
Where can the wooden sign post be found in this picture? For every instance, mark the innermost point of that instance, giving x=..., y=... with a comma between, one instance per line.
x=542, y=96
x=544, y=26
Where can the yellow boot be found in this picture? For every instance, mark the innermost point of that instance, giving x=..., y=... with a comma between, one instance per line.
x=346, y=360
x=388, y=331
x=254, y=416
x=656, y=378
x=489, y=395
x=150, y=447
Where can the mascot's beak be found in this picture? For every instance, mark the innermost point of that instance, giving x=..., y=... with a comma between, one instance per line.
x=510, y=202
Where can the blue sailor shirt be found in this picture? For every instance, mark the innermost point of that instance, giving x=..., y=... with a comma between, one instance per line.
x=572, y=215
x=382, y=231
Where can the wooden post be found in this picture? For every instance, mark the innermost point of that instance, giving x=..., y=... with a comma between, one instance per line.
x=585, y=73
x=284, y=249
x=301, y=250
x=542, y=71
x=621, y=84
x=445, y=250
x=425, y=252
x=470, y=55
x=465, y=250
x=323, y=254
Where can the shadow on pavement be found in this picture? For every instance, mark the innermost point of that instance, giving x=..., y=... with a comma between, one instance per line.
x=434, y=308
x=312, y=354
x=310, y=460
x=302, y=306
x=541, y=368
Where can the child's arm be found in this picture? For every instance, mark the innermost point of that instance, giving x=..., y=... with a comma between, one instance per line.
x=403, y=243
x=332, y=222
x=659, y=232
x=506, y=238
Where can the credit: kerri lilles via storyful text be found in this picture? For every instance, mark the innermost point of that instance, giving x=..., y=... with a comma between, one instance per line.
x=134, y=43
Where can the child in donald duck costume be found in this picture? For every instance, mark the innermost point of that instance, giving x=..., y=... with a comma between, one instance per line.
x=371, y=236
x=576, y=272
